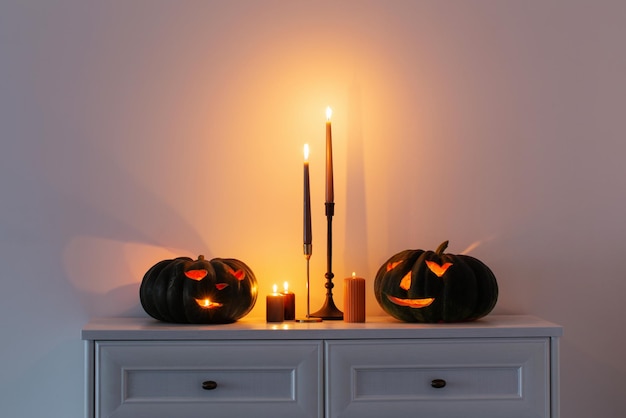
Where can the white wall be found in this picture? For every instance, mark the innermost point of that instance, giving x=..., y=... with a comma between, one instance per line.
x=133, y=131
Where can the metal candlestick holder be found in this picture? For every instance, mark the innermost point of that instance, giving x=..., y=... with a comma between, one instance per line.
x=329, y=310
x=307, y=254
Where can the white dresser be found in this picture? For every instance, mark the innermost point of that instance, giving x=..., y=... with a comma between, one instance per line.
x=497, y=367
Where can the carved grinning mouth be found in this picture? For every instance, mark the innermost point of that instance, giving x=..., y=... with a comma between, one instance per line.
x=207, y=304
x=411, y=303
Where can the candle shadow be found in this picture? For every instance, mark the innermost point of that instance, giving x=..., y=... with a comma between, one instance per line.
x=356, y=238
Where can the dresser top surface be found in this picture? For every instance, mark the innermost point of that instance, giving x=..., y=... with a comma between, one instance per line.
x=146, y=328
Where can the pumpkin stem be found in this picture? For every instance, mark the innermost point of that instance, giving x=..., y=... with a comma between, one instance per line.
x=442, y=248
x=200, y=257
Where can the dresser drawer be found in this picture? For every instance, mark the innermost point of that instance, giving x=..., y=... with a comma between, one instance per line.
x=486, y=378
x=199, y=378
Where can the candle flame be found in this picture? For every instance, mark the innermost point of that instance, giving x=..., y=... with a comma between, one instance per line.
x=286, y=287
x=306, y=152
x=275, y=288
x=329, y=113
x=353, y=275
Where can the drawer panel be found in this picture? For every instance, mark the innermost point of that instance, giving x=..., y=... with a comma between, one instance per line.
x=186, y=385
x=483, y=378
x=165, y=379
x=411, y=383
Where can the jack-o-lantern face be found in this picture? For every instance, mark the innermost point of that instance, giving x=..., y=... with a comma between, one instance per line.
x=201, y=291
x=427, y=286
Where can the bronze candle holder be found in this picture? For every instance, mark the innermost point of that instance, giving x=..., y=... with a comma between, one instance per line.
x=329, y=310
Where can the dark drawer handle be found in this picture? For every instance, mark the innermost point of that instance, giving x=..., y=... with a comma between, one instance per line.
x=209, y=385
x=438, y=383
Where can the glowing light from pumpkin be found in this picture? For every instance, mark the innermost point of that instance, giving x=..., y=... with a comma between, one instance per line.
x=405, y=283
x=196, y=274
x=239, y=274
x=411, y=303
x=207, y=304
x=391, y=266
x=437, y=269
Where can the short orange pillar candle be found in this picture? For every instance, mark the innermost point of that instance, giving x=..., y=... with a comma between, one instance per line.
x=354, y=299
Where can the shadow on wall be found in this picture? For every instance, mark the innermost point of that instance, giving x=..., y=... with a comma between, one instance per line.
x=114, y=232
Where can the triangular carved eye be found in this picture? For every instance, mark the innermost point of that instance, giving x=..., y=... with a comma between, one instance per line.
x=405, y=283
x=391, y=266
x=437, y=269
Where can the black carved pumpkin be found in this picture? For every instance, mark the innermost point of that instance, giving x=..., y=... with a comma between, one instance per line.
x=182, y=290
x=430, y=286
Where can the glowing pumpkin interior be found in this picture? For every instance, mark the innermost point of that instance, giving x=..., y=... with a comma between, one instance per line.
x=199, y=274
x=207, y=304
x=405, y=283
